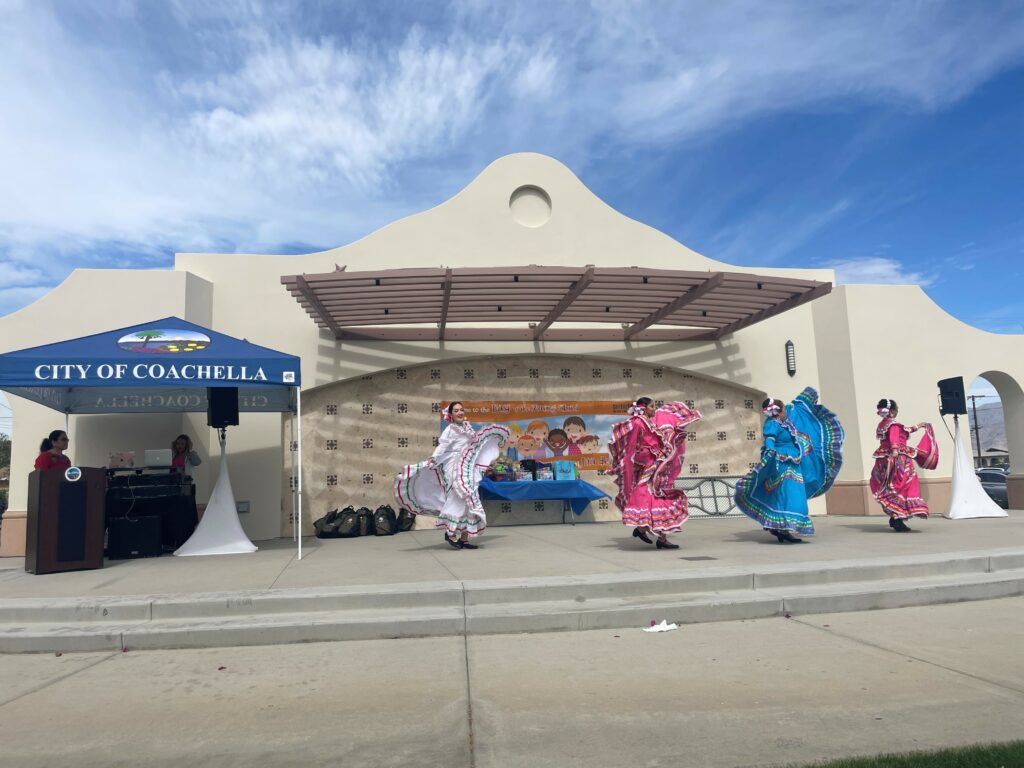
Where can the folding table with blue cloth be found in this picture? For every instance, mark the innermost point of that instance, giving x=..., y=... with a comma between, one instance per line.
x=576, y=494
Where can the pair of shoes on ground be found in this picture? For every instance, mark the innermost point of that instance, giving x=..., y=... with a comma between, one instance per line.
x=638, y=533
x=459, y=544
x=784, y=537
x=897, y=524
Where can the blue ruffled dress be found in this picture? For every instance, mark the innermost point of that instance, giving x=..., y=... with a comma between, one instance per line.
x=800, y=459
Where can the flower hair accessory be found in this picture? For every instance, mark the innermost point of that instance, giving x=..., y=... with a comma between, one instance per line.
x=771, y=409
x=447, y=416
x=636, y=410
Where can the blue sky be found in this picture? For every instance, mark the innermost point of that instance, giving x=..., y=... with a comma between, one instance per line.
x=884, y=139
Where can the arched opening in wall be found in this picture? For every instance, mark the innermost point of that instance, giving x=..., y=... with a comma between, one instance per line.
x=995, y=411
x=6, y=437
x=360, y=432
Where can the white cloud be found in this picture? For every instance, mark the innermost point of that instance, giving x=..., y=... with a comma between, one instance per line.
x=875, y=270
x=12, y=299
x=13, y=274
x=244, y=125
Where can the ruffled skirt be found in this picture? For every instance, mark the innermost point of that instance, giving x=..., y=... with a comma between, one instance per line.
x=450, y=490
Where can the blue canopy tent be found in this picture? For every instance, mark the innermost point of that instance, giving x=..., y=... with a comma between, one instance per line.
x=162, y=366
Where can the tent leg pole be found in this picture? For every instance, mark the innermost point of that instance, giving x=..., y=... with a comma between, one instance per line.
x=298, y=484
x=291, y=473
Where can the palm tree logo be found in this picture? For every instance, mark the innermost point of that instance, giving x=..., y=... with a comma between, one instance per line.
x=148, y=336
x=164, y=341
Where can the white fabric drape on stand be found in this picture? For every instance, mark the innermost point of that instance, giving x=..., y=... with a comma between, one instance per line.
x=220, y=531
x=967, y=498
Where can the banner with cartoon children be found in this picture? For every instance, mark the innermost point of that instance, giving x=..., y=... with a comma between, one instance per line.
x=551, y=430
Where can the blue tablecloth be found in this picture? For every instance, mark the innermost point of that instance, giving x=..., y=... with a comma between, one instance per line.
x=577, y=492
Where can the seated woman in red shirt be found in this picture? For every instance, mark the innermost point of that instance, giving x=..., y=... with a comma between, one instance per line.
x=51, y=452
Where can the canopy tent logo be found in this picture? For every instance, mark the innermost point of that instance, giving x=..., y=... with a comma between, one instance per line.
x=163, y=341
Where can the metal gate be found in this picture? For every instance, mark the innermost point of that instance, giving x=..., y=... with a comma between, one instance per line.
x=710, y=496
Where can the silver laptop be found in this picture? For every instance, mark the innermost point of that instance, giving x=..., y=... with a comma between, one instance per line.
x=158, y=457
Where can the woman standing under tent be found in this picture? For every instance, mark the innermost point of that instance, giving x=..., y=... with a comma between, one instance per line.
x=51, y=451
x=800, y=459
x=447, y=484
x=646, y=457
x=894, y=480
x=183, y=457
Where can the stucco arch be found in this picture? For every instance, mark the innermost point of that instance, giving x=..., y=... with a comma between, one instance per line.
x=1012, y=396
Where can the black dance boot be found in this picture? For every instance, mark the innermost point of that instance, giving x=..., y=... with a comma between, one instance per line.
x=638, y=533
x=665, y=544
x=900, y=526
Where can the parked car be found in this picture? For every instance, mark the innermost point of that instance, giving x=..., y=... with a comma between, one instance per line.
x=993, y=480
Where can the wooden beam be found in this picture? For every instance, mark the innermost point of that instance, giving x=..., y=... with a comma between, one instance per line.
x=689, y=297
x=379, y=333
x=764, y=314
x=319, y=312
x=570, y=296
x=444, y=303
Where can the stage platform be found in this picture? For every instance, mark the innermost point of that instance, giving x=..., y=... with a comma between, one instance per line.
x=522, y=579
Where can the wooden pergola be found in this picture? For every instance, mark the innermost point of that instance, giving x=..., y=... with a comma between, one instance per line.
x=466, y=303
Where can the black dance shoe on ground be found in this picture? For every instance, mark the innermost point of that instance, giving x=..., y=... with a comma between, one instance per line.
x=901, y=527
x=785, y=537
x=892, y=523
x=639, y=534
x=454, y=543
x=664, y=544
x=467, y=545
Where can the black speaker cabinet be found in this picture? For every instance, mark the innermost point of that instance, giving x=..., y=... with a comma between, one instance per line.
x=65, y=521
x=222, y=406
x=130, y=537
x=951, y=396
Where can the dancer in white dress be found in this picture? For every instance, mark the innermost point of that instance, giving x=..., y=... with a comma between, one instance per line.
x=447, y=484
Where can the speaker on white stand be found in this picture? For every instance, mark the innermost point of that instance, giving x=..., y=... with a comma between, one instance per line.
x=967, y=499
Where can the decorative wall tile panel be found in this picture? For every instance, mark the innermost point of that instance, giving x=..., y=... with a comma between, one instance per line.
x=411, y=426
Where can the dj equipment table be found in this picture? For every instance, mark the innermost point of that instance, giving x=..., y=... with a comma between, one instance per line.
x=169, y=495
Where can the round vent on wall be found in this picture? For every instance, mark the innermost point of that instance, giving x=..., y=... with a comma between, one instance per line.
x=530, y=206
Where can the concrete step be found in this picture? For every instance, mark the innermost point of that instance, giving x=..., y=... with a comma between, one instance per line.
x=502, y=606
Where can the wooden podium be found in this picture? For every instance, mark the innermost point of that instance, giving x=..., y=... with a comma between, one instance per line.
x=65, y=521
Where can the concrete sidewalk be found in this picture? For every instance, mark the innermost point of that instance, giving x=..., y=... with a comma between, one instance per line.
x=751, y=693
x=522, y=580
x=513, y=553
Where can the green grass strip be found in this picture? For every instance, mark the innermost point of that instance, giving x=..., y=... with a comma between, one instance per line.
x=1007, y=755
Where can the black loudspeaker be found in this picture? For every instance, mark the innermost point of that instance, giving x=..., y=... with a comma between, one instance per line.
x=130, y=537
x=222, y=406
x=951, y=396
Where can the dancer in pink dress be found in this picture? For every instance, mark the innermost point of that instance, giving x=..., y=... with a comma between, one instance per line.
x=646, y=457
x=894, y=480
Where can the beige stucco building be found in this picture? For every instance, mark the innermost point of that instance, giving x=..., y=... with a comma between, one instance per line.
x=369, y=406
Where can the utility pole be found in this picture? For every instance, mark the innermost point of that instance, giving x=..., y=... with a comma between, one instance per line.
x=976, y=428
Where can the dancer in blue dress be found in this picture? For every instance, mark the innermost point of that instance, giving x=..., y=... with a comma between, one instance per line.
x=800, y=459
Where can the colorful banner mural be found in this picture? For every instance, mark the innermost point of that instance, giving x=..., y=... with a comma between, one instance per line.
x=551, y=430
